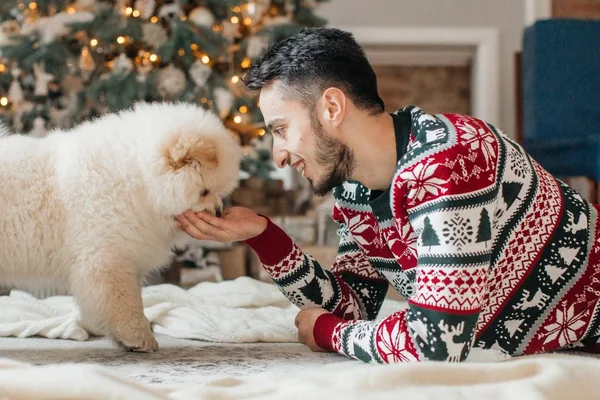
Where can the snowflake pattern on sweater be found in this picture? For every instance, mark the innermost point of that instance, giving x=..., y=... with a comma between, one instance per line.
x=489, y=249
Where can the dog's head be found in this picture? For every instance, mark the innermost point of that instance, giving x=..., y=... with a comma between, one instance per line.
x=195, y=160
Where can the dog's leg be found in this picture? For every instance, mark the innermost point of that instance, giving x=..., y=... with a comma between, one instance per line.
x=112, y=302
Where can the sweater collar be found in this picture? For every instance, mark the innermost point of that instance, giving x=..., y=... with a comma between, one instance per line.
x=380, y=200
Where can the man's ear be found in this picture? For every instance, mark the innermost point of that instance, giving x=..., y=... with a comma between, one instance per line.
x=187, y=149
x=334, y=105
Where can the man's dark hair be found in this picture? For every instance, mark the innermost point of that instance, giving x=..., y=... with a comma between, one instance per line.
x=314, y=59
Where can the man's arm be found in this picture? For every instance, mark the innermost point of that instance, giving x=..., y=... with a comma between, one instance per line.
x=352, y=289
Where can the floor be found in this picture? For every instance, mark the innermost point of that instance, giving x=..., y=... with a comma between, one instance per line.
x=178, y=361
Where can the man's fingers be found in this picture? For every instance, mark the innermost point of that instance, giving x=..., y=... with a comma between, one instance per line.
x=190, y=229
x=206, y=227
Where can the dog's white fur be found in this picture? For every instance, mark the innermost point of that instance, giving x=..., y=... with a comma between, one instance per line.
x=91, y=210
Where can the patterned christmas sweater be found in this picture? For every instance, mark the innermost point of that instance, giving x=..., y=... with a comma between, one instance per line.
x=488, y=248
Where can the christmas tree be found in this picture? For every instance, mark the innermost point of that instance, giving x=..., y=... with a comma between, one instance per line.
x=484, y=232
x=64, y=61
x=429, y=237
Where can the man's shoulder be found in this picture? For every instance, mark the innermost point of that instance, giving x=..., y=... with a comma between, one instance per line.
x=432, y=134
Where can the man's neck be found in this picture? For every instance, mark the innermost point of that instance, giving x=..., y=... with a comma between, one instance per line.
x=374, y=144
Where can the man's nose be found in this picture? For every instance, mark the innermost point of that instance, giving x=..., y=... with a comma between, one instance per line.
x=280, y=156
x=218, y=211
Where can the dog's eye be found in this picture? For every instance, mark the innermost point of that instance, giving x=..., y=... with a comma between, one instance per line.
x=205, y=192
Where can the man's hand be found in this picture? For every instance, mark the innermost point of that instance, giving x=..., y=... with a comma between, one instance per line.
x=236, y=224
x=305, y=322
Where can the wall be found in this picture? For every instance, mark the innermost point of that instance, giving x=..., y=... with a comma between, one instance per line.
x=505, y=15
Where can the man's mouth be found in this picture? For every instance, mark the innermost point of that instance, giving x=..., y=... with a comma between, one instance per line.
x=300, y=166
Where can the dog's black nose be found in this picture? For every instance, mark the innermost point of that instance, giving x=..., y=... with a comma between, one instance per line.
x=218, y=212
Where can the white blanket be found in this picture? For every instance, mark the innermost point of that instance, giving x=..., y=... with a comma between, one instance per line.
x=239, y=311
x=246, y=310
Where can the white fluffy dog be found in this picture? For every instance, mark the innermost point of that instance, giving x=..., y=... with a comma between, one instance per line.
x=91, y=210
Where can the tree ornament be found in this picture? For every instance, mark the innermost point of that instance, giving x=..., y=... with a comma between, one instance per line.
x=256, y=46
x=145, y=7
x=42, y=78
x=86, y=62
x=122, y=65
x=15, y=91
x=223, y=101
x=202, y=16
x=154, y=35
x=230, y=30
x=171, y=82
x=9, y=31
x=200, y=72
x=170, y=12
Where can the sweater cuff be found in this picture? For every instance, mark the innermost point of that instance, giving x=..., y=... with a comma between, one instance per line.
x=323, y=330
x=272, y=245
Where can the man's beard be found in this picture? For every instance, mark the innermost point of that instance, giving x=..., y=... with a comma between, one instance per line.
x=336, y=158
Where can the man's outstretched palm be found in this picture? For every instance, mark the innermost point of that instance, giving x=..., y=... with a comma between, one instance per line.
x=236, y=224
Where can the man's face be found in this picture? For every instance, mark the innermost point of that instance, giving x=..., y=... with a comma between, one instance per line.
x=303, y=142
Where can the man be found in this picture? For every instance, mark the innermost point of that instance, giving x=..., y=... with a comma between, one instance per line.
x=488, y=248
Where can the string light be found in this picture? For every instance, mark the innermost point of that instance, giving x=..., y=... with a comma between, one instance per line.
x=2, y=68
x=181, y=52
x=243, y=109
x=153, y=57
x=128, y=11
x=135, y=13
x=235, y=79
x=154, y=19
x=237, y=119
x=246, y=63
x=32, y=5
x=70, y=10
x=247, y=21
x=121, y=40
x=94, y=42
x=4, y=101
x=235, y=20
x=205, y=59
x=261, y=132
x=194, y=46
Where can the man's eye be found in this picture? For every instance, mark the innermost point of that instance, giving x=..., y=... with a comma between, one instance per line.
x=278, y=131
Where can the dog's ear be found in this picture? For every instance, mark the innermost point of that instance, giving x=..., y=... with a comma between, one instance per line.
x=187, y=149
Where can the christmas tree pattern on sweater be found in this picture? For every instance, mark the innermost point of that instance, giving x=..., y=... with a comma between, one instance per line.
x=489, y=249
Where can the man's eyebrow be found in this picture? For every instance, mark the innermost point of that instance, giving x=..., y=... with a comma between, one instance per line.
x=274, y=122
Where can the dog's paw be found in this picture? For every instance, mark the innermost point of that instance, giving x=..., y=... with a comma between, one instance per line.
x=146, y=345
